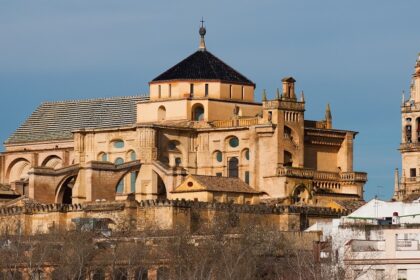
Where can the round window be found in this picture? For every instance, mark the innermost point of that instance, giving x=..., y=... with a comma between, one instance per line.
x=190, y=184
x=172, y=145
x=234, y=142
x=247, y=154
x=219, y=156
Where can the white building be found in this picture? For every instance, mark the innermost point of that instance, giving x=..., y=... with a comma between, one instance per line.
x=380, y=240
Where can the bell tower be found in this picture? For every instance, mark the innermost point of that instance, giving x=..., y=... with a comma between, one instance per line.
x=410, y=139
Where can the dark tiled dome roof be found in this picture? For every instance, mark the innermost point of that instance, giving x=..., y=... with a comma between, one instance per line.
x=203, y=65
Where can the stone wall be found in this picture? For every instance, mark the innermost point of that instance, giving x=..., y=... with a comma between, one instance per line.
x=159, y=215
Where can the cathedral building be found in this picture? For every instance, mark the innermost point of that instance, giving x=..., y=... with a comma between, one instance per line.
x=407, y=184
x=200, y=134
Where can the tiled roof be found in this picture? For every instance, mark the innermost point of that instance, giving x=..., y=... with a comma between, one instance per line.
x=56, y=120
x=351, y=205
x=203, y=65
x=222, y=184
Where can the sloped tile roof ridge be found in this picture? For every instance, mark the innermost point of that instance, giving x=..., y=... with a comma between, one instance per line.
x=141, y=96
x=56, y=120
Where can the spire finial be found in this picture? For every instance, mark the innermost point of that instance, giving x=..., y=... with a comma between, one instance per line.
x=277, y=93
x=264, y=96
x=302, y=97
x=202, y=31
x=328, y=116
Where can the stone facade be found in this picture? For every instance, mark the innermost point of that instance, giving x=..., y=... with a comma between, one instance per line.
x=201, y=118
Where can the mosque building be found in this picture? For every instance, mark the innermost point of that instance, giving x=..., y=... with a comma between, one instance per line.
x=199, y=135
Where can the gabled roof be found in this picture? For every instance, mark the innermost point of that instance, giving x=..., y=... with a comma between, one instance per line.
x=57, y=120
x=203, y=65
x=215, y=184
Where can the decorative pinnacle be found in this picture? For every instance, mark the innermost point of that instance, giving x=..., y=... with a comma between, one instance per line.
x=202, y=31
x=264, y=96
x=403, y=97
x=278, y=94
x=328, y=115
x=302, y=97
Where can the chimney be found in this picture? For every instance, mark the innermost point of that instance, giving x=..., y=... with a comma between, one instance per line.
x=289, y=87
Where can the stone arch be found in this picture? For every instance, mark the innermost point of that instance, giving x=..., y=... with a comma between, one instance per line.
x=301, y=194
x=18, y=170
x=64, y=192
x=197, y=112
x=161, y=113
x=53, y=161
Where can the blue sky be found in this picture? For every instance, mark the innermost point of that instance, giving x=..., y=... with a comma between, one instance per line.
x=357, y=55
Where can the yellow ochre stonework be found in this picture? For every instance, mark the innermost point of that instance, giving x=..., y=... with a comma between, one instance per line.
x=199, y=122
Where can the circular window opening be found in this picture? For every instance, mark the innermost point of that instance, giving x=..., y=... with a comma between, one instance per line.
x=172, y=145
x=118, y=144
x=219, y=156
x=234, y=142
x=190, y=184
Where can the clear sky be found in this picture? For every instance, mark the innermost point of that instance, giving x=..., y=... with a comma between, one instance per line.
x=358, y=55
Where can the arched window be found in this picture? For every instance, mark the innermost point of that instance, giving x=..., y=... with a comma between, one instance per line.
x=161, y=113
x=233, y=167
x=198, y=113
x=246, y=154
x=133, y=155
x=408, y=133
x=120, y=186
x=219, y=156
x=103, y=156
x=288, y=158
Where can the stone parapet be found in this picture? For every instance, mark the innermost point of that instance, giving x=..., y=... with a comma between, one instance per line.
x=306, y=173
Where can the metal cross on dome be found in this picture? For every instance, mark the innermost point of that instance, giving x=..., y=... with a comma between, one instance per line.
x=202, y=22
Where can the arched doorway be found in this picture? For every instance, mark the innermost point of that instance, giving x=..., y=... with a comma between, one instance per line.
x=65, y=192
x=198, y=112
x=233, y=164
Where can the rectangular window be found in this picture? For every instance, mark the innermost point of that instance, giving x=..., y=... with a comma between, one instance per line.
x=170, y=90
x=243, y=92
x=206, y=90
x=412, y=172
x=402, y=274
x=160, y=91
x=191, y=90
x=247, y=177
x=230, y=91
x=219, y=174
